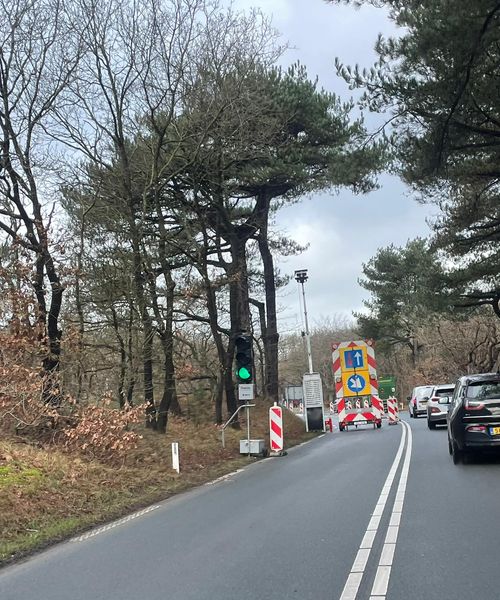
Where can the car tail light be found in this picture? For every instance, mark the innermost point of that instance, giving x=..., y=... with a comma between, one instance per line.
x=473, y=405
x=435, y=399
x=435, y=409
x=477, y=428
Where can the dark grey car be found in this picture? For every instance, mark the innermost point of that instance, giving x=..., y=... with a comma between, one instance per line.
x=474, y=415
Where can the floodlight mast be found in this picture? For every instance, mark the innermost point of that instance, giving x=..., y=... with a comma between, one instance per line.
x=301, y=277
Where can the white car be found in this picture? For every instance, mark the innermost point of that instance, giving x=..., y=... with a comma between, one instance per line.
x=417, y=402
x=438, y=404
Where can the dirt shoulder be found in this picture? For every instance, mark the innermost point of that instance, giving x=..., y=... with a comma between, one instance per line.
x=47, y=495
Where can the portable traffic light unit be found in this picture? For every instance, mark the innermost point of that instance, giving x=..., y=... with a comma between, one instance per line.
x=244, y=358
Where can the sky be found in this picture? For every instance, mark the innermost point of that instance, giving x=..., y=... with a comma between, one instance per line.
x=343, y=230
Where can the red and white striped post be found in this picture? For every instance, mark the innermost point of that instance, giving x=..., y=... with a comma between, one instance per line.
x=276, y=428
x=392, y=410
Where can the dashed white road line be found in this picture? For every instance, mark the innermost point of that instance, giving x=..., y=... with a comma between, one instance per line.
x=93, y=532
x=383, y=575
x=226, y=477
x=358, y=567
x=381, y=583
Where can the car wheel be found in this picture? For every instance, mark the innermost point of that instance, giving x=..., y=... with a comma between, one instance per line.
x=341, y=427
x=431, y=425
x=415, y=416
x=411, y=413
x=379, y=425
x=456, y=454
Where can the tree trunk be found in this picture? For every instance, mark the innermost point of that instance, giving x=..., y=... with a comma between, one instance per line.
x=51, y=363
x=130, y=356
x=147, y=353
x=224, y=382
x=123, y=359
x=169, y=399
x=217, y=395
x=147, y=327
x=231, y=402
x=240, y=303
x=169, y=396
x=270, y=335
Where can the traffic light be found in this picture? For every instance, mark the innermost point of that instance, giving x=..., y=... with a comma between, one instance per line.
x=244, y=358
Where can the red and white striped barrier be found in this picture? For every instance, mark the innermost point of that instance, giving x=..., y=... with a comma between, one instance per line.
x=392, y=410
x=276, y=428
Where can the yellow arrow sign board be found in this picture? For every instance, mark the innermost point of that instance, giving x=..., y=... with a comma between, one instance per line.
x=356, y=384
x=353, y=359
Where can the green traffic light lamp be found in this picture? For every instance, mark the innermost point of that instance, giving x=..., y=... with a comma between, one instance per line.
x=244, y=374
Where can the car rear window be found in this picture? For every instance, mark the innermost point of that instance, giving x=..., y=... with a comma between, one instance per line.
x=484, y=390
x=422, y=392
x=443, y=392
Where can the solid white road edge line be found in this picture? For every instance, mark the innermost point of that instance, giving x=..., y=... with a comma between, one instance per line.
x=93, y=532
x=383, y=575
x=358, y=567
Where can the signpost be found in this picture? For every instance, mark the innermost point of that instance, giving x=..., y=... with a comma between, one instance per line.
x=313, y=402
x=245, y=392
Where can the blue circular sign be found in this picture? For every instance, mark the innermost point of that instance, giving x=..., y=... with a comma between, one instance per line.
x=356, y=383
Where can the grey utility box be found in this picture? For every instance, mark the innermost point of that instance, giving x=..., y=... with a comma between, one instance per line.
x=253, y=447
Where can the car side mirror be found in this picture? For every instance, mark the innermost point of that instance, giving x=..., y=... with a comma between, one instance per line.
x=408, y=398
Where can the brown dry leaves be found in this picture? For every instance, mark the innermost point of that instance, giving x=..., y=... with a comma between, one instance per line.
x=102, y=432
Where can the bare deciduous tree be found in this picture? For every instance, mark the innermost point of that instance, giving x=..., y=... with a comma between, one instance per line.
x=39, y=54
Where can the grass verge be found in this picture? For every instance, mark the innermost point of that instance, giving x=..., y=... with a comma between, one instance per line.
x=47, y=495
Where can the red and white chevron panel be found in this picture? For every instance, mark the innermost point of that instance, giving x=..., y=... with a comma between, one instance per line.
x=276, y=428
x=392, y=410
x=373, y=409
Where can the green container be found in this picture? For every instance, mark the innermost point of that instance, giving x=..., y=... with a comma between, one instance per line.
x=386, y=387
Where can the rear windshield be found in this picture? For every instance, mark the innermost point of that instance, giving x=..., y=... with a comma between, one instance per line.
x=484, y=390
x=422, y=392
x=443, y=392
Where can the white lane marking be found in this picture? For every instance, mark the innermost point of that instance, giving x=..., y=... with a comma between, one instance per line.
x=382, y=578
x=359, y=563
x=381, y=582
x=93, y=532
x=354, y=579
x=225, y=477
x=352, y=585
x=368, y=539
x=387, y=555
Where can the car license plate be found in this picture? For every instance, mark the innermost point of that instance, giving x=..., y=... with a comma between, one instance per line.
x=494, y=430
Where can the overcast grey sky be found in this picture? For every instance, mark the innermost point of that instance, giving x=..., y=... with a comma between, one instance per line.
x=343, y=230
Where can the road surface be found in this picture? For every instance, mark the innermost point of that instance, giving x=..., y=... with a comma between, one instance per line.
x=354, y=515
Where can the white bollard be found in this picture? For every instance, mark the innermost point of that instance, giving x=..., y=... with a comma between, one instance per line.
x=175, y=457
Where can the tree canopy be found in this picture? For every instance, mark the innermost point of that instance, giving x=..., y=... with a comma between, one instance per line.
x=437, y=84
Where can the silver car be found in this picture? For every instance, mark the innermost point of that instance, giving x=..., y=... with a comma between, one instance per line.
x=438, y=404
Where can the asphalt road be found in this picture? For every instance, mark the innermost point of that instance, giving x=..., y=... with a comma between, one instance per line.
x=354, y=515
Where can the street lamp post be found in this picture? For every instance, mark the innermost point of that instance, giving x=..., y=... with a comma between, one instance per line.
x=314, y=412
x=301, y=277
